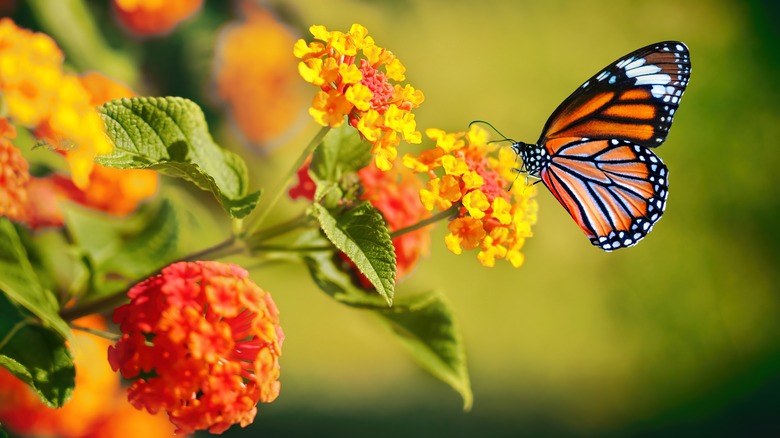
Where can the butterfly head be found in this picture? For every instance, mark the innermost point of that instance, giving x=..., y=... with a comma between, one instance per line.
x=533, y=157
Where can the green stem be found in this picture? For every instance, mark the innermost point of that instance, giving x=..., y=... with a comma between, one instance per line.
x=101, y=333
x=282, y=248
x=255, y=224
x=277, y=230
x=424, y=223
x=222, y=249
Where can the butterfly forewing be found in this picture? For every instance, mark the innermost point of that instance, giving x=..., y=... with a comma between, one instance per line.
x=614, y=189
x=633, y=99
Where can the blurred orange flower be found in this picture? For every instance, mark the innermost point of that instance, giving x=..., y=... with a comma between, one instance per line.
x=14, y=176
x=154, y=17
x=96, y=399
x=256, y=77
x=201, y=341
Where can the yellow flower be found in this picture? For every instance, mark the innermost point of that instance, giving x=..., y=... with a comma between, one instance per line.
x=477, y=177
x=356, y=77
x=39, y=95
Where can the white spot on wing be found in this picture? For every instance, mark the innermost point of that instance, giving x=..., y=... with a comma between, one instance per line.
x=644, y=70
x=658, y=79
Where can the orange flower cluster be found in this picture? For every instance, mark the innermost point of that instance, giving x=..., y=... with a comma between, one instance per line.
x=357, y=80
x=491, y=218
x=201, y=341
x=38, y=94
x=154, y=17
x=257, y=78
x=96, y=407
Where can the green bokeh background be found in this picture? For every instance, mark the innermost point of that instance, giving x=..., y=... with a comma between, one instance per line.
x=677, y=336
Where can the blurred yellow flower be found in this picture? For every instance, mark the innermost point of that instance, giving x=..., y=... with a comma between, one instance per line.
x=464, y=170
x=355, y=79
x=37, y=94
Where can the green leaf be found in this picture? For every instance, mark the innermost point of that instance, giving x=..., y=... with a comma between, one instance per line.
x=361, y=234
x=425, y=327
x=20, y=283
x=121, y=251
x=423, y=324
x=147, y=250
x=169, y=134
x=342, y=151
x=35, y=354
x=3, y=434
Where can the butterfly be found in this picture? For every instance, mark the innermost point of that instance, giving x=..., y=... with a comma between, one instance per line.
x=594, y=153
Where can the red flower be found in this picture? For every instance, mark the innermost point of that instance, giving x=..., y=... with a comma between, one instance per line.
x=202, y=342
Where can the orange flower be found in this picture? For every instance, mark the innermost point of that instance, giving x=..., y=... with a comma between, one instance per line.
x=357, y=79
x=154, y=17
x=201, y=341
x=14, y=176
x=465, y=172
x=257, y=78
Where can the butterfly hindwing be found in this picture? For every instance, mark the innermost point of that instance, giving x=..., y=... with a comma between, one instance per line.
x=632, y=99
x=614, y=189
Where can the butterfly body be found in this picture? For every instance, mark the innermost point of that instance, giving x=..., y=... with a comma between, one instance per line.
x=593, y=154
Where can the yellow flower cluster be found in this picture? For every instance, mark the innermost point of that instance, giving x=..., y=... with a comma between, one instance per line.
x=358, y=79
x=39, y=95
x=465, y=172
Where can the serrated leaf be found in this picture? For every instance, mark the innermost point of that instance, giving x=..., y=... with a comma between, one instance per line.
x=361, y=234
x=35, y=354
x=169, y=134
x=342, y=150
x=425, y=327
x=20, y=283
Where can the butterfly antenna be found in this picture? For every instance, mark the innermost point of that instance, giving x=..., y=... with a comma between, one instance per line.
x=493, y=128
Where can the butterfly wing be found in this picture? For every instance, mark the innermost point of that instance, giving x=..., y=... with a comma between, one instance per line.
x=632, y=99
x=614, y=189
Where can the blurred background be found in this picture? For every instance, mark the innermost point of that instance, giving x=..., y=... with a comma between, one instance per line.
x=677, y=336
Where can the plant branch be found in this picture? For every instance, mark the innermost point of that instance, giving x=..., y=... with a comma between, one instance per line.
x=255, y=223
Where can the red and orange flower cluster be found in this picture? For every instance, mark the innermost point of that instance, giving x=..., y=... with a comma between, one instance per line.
x=358, y=79
x=462, y=172
x=59, y=108
x=201, y=341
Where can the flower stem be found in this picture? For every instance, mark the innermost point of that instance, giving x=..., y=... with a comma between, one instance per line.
x=277, y=230
x=425, y=222
x=101, y=333
x=253, y=225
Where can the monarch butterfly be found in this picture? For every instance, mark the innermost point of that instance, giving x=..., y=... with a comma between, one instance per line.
x=593, y=154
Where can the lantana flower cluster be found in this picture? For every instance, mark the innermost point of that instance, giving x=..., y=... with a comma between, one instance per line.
x=464, y=172
x=360, y=81
x=201, y=341
x=154, y=17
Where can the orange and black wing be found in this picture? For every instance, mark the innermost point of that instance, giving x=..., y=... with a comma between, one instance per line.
x=633, y=99
x=614, y=189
